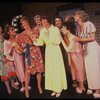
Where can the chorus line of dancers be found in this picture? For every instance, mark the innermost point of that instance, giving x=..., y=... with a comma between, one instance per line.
x=22, y=54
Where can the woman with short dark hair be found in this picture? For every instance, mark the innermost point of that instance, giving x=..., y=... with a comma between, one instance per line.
x=55, y=76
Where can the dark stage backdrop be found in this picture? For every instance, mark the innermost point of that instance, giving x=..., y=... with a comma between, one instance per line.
x=8, y=10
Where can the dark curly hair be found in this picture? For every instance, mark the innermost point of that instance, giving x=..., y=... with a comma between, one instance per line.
x=57, y=16
x=46, y=17
x=6, y=30
x=70, y=25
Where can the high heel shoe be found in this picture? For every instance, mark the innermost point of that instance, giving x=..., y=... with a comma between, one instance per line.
x=27, y=95
x=22, y=89
x=89, y=91
x=78, y=90
x=29, y=87
x=53, y=93
x=58, y=95
x=96, y=95
x=40, y=90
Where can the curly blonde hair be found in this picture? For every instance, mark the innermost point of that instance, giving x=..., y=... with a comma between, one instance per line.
x=83, y=15
x=24, y=18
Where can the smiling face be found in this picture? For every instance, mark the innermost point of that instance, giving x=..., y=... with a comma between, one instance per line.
x=38, y=21
x=12, y=31
x=58, y=22
x=64, y=30
x=25, y=24
x=77, y=17
x=45, y=22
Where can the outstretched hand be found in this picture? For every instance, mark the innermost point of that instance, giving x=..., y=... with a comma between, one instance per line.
x=34, y=38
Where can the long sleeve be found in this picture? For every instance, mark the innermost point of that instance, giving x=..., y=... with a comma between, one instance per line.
x=70, y=47
x=39, y=41
x=63, y=43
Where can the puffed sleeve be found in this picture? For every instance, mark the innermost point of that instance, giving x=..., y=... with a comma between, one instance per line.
x=8, y=50
x=89, y=28
x=40, y=40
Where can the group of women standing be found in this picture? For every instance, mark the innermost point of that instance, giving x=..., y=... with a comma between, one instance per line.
x=22, y=52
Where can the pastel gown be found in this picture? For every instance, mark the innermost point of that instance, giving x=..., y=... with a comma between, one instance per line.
x=55, y=76
x=17, y=60
x=75, y=57
x=91, y=52
x=19, y=64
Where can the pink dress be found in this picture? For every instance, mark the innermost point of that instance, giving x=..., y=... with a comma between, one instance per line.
x=17, y=61
x=75, y=57
x=19, y=65
x=91, y=57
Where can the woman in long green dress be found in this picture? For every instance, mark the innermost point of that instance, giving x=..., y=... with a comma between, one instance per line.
x=55, y=76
